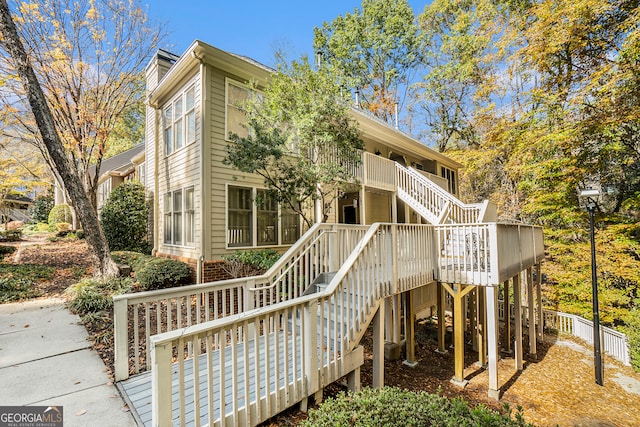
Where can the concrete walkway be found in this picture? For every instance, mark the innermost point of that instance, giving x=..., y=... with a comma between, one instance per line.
x=47, y=360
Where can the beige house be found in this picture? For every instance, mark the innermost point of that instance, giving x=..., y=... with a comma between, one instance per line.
x=238, y=351
x=204, y=208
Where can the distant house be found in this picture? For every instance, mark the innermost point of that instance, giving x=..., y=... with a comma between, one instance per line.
x=115, y=170
x=14, y=207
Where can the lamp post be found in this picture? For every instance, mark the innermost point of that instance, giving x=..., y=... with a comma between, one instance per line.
x=590, y=197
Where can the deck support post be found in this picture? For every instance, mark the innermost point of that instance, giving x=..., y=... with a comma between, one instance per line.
x=517, y=312
x=481, y=326
x=506, y=310
x=409, y=330
x=378, y=346
x=442, y=327
x=473, y=318
x=492, y=328
x=538, y=283
x=458, y=292
x=353, y=380
x=532, y=316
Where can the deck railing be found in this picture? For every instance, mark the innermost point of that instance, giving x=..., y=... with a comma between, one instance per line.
x=486, y=254
x=614, y=343
x=138, y=316
x=293, y=348
x=379, y=172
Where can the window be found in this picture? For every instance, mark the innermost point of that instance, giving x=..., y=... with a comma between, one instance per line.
x=189, y=215
x=141, y=174
x=254, y=218
x=179, y=213
x=267, y=208
x=290, y=226
x=240, y=217
x=179, y=119
x=237, y=95
x=104, y=190
x=450, y=176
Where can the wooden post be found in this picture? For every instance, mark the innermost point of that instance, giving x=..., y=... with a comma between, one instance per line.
x=507, y=319
x=161, y=390
x=517, y=311
x=482, y=335
x=442, y=329
x=532, y=316
x=538, y=283
x=311, y=347
x=410, y=337
x=120, y=339
x=378, y=346
x=362, y=206
x=458, y=292
x=492, y=339
x=473, y=318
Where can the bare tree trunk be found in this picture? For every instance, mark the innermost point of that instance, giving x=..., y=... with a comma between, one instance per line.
x=95, y=237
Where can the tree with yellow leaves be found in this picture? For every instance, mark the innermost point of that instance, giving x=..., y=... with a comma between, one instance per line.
x=89, y=57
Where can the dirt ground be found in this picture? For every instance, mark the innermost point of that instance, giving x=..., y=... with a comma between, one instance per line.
x=556, y=389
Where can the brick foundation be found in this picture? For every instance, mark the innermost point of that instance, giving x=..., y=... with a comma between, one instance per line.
x=212, y=271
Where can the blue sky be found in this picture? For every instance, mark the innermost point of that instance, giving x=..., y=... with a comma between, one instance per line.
x=255, y=28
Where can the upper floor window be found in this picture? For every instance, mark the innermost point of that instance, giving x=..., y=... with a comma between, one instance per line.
x=237, y=96
x=450, y=176
x=179, y=121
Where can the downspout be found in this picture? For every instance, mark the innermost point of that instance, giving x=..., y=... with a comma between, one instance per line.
x=156, y=186
x=204, y=169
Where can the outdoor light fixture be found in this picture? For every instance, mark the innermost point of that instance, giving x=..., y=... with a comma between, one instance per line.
x=590, y=197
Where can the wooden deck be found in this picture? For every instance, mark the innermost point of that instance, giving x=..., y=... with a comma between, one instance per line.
x=137, y=389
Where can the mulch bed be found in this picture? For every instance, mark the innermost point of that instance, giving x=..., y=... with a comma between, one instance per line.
x=556, y=389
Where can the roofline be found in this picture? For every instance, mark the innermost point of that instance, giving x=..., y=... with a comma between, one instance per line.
x=200, y=52
x=250, y=69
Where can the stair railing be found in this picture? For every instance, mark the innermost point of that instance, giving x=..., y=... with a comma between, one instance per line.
x=138, y=316
x=429, y=199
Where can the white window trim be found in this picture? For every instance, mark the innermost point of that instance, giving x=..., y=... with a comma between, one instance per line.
x=254, y=221
x=185, y=142
x=184, y=244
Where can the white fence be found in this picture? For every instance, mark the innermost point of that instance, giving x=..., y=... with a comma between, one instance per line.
x=614, y=343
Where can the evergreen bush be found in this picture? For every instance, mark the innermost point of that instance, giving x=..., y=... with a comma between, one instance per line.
x=41, y=208
x=58, y=214
x=391, y=407
x=93, y=295
x=160, y=273
x=249, y=263
x=124, y=218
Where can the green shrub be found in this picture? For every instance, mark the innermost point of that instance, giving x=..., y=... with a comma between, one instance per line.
x=10, y=235
x=41, y=208
x=41, y=227
x=160, y=273
x=94, y=295
x=250, y=263
x=135, y=260
x=632, y=330
x=17, y=289
x=124, y=218
x=395, y=407
x=60, y=213
x=6, y=250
